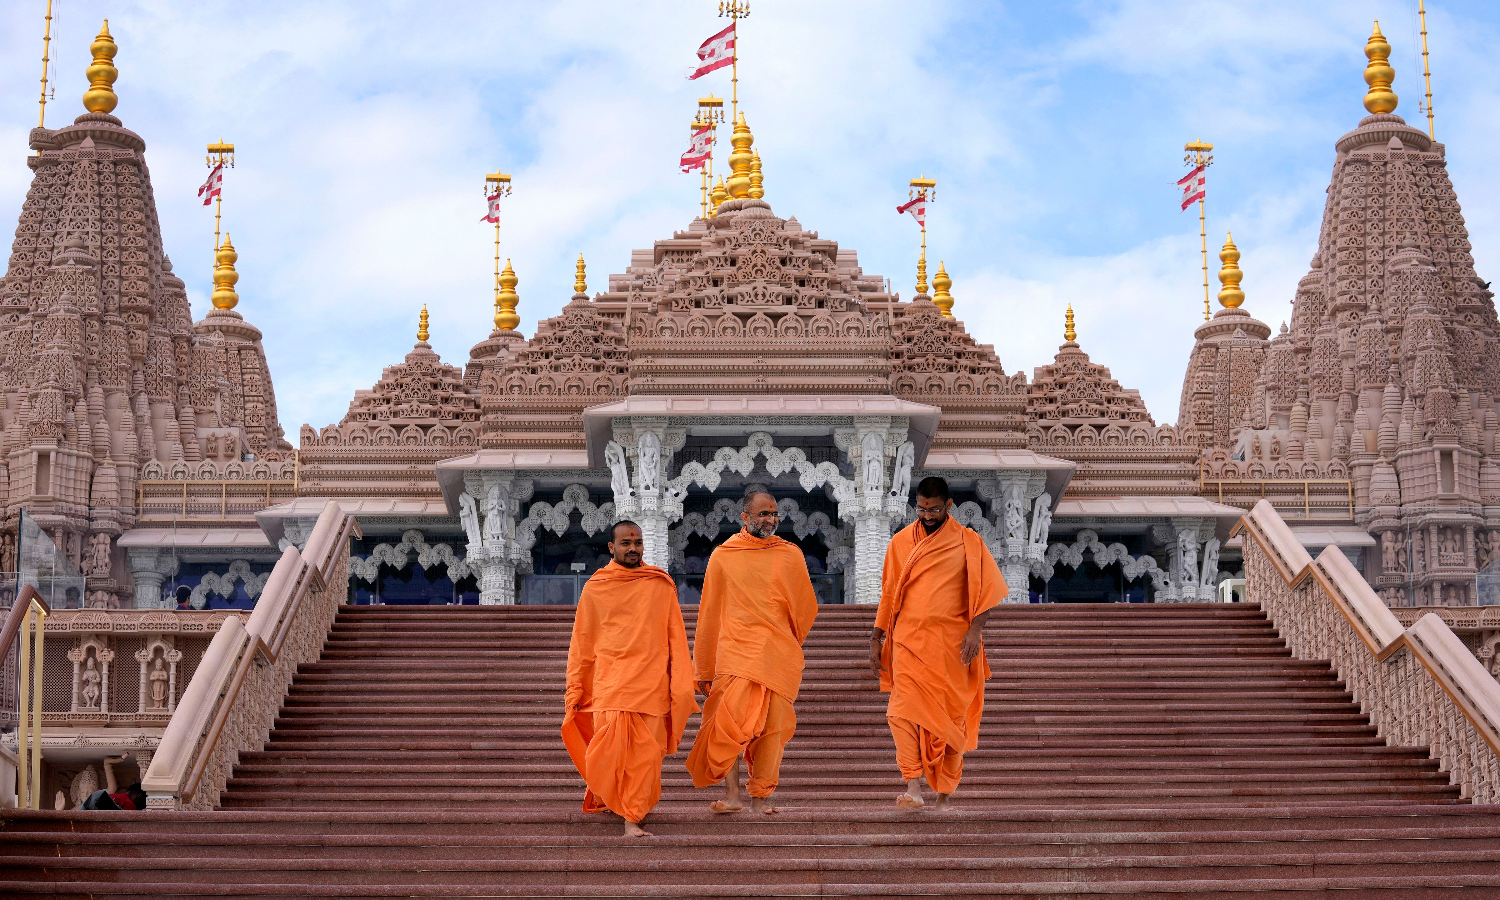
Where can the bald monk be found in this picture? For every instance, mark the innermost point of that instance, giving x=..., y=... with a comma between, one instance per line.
x=939, y=586
x=630, y=683
x=758, y=605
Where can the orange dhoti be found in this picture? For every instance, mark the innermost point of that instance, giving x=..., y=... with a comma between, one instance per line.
x=922, y=754
x=622, y=762
x=629, y=690
x=934, y=587
x=742, y=717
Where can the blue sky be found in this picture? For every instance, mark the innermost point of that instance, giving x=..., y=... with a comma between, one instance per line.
x=1054, y=131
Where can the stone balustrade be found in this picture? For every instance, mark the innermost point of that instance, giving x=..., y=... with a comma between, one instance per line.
x=231, y=702
x=1420, y=685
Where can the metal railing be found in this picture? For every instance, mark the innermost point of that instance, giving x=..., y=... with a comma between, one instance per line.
x=26, y=620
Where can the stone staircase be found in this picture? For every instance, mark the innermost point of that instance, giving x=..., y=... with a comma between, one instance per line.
x=1128, y=751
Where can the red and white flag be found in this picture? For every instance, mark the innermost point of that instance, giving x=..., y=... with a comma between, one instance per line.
x=213, y=186
x=715, y=53
x=917, y=208
x=1194, y=186
x=493, y=215
x=701, y=149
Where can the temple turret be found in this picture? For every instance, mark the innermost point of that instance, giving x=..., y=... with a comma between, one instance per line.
x=1220, y=388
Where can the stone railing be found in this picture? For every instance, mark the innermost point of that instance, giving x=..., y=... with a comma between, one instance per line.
x=1420, y=686
x=233, y=698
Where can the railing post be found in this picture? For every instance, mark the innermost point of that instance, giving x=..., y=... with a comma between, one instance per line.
x=29, y=758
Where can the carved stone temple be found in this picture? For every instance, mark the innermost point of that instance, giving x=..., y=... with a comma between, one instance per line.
x=743, y=349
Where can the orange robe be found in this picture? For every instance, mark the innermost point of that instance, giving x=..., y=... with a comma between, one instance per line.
x=934, y=586
x=630, y=687
x=757, y=607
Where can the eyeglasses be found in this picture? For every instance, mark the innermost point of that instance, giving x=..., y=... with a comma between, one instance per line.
x=769, y=516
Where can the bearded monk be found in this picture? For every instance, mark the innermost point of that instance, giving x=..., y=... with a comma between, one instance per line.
x=939, y=586
x=630, y=683
x=758, y=605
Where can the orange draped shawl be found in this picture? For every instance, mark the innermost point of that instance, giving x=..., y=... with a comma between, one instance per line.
x=934, y=585
x=629, y=653
x=757, y=608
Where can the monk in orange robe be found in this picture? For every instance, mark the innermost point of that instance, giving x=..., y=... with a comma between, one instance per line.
x=940, y=584
x=630, y=683
x=758, y=605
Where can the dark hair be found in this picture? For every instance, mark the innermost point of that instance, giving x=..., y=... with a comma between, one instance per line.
x=614, y=529
x=751, y=495
x=933, y=488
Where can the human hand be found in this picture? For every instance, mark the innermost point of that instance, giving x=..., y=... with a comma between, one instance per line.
x=973, y=646
x=704, y=687
x=876, y=646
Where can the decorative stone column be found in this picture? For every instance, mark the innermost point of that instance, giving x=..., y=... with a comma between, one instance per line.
x=1023, y=518
x=487, y=509
x=150, y=566
x=872, y=499
x=648, y=499
x=1188, y=581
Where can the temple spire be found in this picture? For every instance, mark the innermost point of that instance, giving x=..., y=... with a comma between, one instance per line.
x=225, y=277
x=1070, y=334
x=506, y=300
x=1379, y=74
x=1230, y=297
x=580, y=279
x=100, y=97
x=940, y=296
x=422, y=326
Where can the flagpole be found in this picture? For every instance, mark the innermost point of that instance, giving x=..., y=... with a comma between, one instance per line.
x=1198, y=155
x=923, y=188
x=496, y=184
x=1426, y=70
x=735, y=10
x=710, y=113
x=218, y=155
x=46, y=49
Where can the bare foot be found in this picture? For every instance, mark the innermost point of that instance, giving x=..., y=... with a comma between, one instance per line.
x=907, y=801
x=944, y=802
x=724, y=806
x=634, y=830
x=763, y=805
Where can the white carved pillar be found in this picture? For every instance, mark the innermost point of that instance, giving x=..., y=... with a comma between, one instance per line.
x=873, y=497
x=150, y=567
x=647, y=499
x=1020, y=542
x=487, y=509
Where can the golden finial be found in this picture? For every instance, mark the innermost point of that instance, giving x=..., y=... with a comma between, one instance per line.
x=1379, y=74
x=1070, y=334
x=580, y=283
x=940, y=284
x=225, y=277
x=506, y=300
x=100, y=97
x=1231, y=296
x=757, y=180
x=719, y=195
x=422, y=325
x=740, y=159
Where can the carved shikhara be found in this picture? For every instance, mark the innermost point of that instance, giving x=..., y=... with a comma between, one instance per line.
x=1421, y=687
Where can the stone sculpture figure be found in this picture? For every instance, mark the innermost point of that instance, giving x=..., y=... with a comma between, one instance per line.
x=1187, y=550
x=211, y=446
x=619, y=474
x=8, y=553
x=90, y=678
x=159, y=685
x=1015, y=512
x=1255, y=447
x=649, y=461
x=906, y=456
x=1401, y=557
x=494, y=516
x=1275, y=446
x=1041, y=519
x=469, y=516
x=1388, y=552
x=97, y=560
x=873, y=462
x=1210, y=563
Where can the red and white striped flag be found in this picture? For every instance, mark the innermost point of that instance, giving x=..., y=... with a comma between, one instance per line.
x=493, y=215
x=715, y=53
x=1194, y=186
x=702, y=148
x=213, y=186
x=917, y=208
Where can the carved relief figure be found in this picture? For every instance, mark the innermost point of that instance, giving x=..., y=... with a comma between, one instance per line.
x=649, y=464
x=90, y=679
x=1015, y=512
x=96, y=562
x=495, y=511
x=1275, y=447
x=1041, y=519
x=906, y=456
x=1388, y=552
x=468, y=515
x=1487, y=543
x=619, y=475
x=1255, y=448
x=872, y=462
x=8, y=553
x=1210, y=573
x=211, y=446
x=1401, y=557
x=159, y=684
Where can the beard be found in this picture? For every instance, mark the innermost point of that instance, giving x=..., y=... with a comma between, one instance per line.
x=933, y=525
x=761, y=529
x=630, y=560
